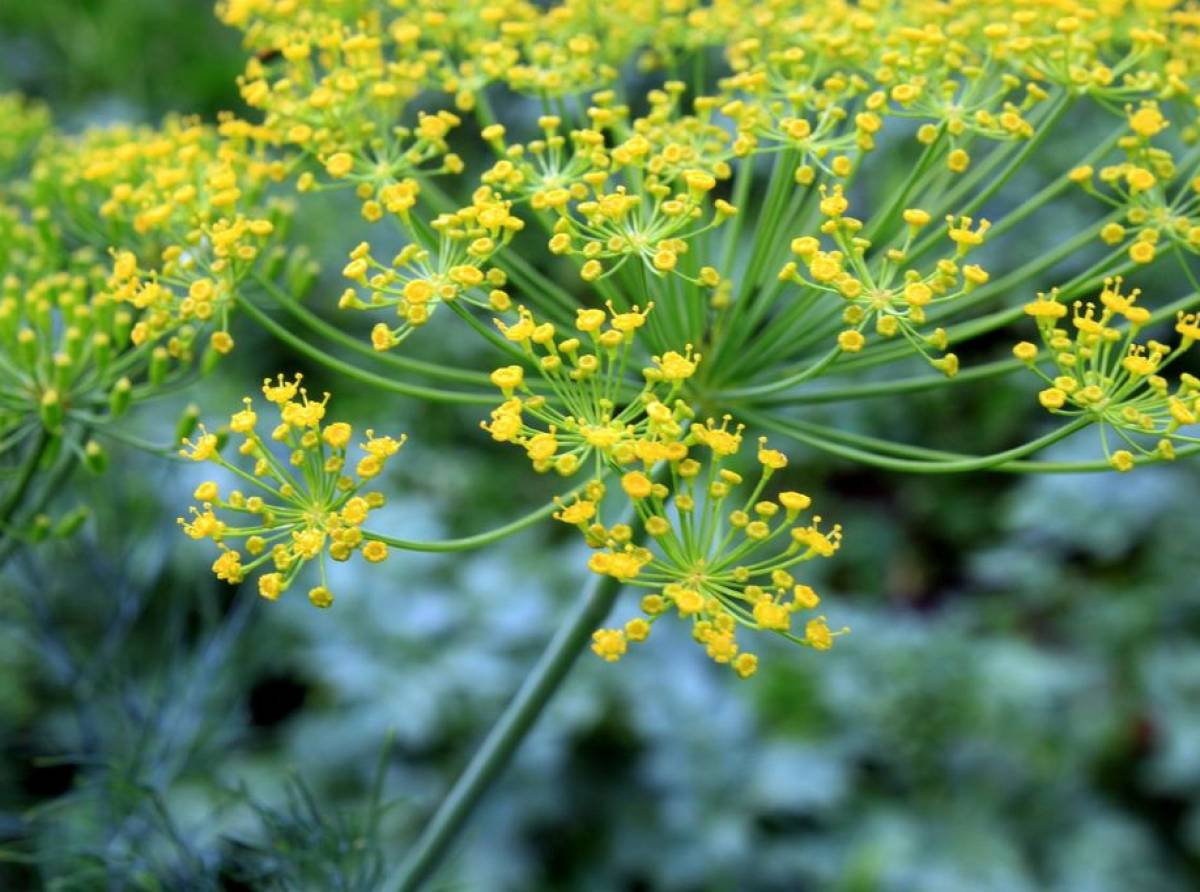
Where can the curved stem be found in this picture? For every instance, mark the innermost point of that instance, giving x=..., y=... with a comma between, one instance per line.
x=918, y=383
x=933, y=455
x=468, y=542
x=790, y=381
x=335, y=334
x=353, y=371
x=957, y=465
x=502, y=741
x=892, y=387
x=168, y=451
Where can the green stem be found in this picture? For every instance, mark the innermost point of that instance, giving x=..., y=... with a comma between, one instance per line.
x=913, y=384
x=1026, y=208
x=469, y=542
x=52, y=486
x=814, y=432
x=919, y=383
x=168, y=451
x=24, y=477
x=800, y=377
x=1041, y=130
x=335, y=334
x=502, y=741
x=778, y=189
x=353, y=371
x=958, y=465
x=733, y=232
x=900, y=196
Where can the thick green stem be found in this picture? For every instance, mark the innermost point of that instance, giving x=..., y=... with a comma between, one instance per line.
x=502, y=741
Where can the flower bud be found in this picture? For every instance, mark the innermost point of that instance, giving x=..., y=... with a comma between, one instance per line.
x=95, y=458
x=159, y=361
x=118, y=398
x=27, y=346
x=51, y=409
x=122, y=326
x=272, y=266
x=101, y=350
x=69, y=524
x=210, y=360
x=40, y=528
x=301, y=275
x=187, y=422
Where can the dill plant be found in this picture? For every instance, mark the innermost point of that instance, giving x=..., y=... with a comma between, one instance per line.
x=664, y=225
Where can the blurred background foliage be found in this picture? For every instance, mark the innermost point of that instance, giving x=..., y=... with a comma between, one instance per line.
x=1018, y=707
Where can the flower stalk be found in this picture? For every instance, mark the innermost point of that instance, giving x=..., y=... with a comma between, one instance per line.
x=505, y=736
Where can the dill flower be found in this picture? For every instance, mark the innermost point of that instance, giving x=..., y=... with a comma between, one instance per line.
x=1155, y=209
x=60, y=334
x=185, y=205
x=881, y=290
x=146, y=188
x=644, y=198
x=721, y=556
x=655, y=192
x=82, y=338
x=588, y=413
x=301, y=507
x=334, y=94
x=419, y=279
x=1103, y=373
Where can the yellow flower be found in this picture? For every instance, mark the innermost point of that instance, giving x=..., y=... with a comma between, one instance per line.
x=714, y=580
x=609, y=644
x=375, y=551
x=636, y=485
x=320, y=597
x=339, y=164
x=851, y=341
x=1147, y=121
x=1104, y=375
x=304, y=508
x=1141, y=252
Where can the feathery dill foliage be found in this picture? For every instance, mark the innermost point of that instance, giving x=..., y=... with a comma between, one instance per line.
x=703, y=195
x=141, y=701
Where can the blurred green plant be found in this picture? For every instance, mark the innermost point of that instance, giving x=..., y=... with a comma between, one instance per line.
x=144, y=57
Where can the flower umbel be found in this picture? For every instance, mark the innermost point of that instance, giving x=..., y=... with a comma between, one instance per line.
x=589, y=411
x=715, y=559
x=301, y=507
x=1104, y=373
